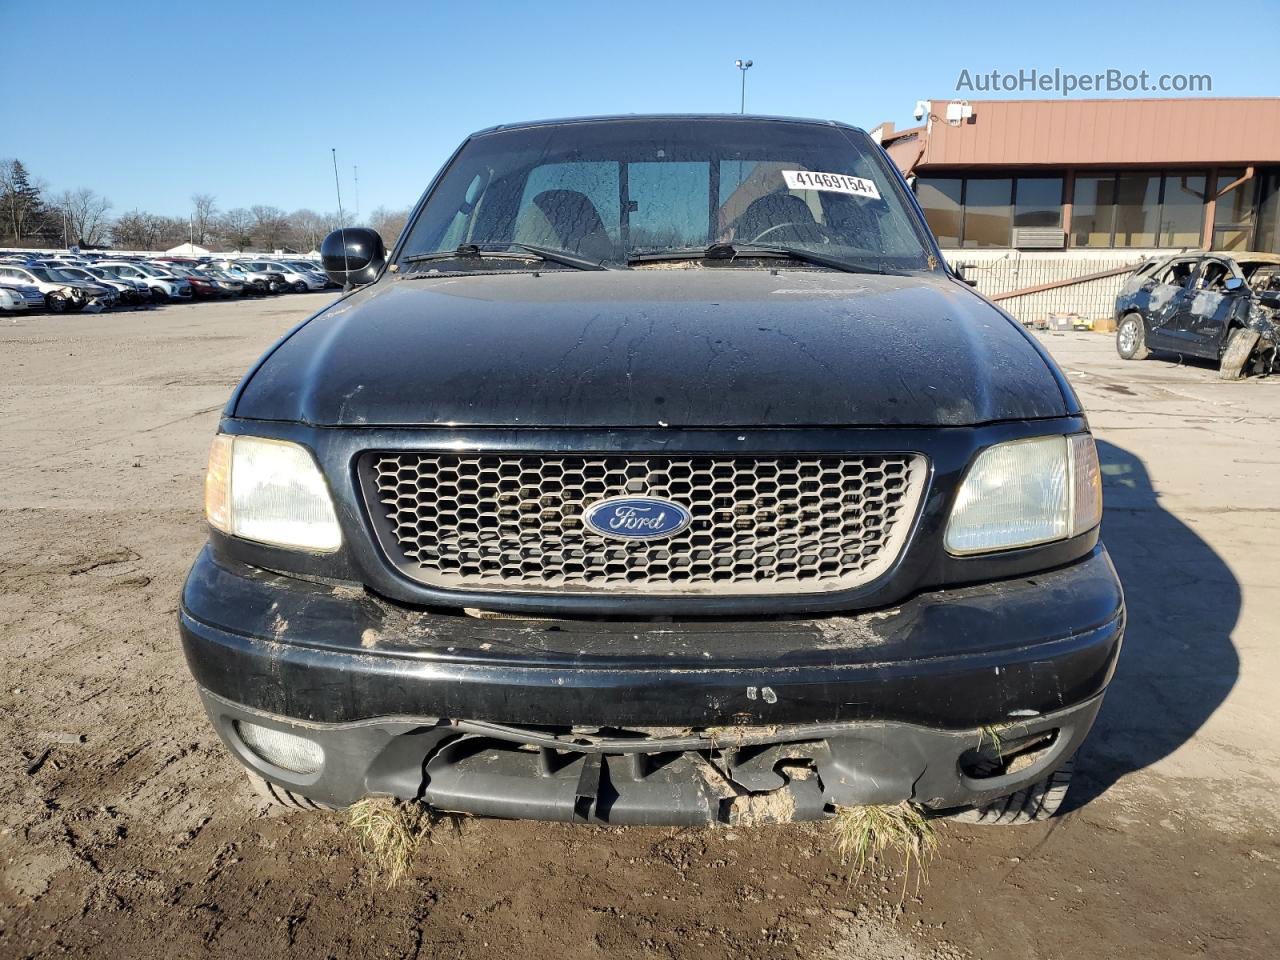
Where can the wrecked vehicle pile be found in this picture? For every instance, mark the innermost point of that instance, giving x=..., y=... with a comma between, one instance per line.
x=661, y=474
x=1218, y=306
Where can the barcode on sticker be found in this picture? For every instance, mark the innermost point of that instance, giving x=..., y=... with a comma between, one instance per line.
x=834, y=182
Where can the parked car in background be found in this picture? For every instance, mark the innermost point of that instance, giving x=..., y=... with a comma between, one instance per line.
x=233, y=285
x=312, y=269
x=61, y=294
x=262, y=281
x=12, y=301
x=297, y=280
x=202, y=287
x=128, y=293
x=141, y=290
x=1218, y=306
x=163, y=285
x=29, y=294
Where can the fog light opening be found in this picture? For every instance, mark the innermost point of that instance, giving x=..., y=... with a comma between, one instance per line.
x=288, y=751
x=1002, y=755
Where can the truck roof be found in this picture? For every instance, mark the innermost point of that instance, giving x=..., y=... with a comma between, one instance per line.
x=748, y=117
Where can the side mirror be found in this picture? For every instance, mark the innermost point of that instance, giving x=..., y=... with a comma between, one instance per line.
x=958, y=271
x=353, y=255
x=1233, y=284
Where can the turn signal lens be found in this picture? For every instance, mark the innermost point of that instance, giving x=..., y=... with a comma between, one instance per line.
x=217, y=484
x=1086, y=478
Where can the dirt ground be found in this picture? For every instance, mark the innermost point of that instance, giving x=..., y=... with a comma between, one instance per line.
x=127, y=831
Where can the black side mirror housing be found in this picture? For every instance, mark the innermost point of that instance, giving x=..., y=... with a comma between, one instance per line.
x=958, y=271
x=353, y=255
x=1233, y=284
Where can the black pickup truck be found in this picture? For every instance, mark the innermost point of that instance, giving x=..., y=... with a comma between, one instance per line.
x=662, y=473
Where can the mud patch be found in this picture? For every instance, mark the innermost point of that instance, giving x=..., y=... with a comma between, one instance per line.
x=754, y=809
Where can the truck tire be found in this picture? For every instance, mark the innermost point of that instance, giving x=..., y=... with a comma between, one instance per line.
x=1040, y=801
x=1236, y=356
x=1131, y=339
x=284, y=800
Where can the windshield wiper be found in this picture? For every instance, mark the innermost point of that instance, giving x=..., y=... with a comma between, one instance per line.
x=728, y=251
x=523, y=252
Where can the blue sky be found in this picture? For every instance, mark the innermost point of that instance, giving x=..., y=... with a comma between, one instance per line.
x=149, y=102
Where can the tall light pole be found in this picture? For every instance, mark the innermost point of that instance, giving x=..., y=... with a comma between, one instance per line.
x=744, y=66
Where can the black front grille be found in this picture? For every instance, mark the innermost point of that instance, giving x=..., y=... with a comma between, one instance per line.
x=789, y=524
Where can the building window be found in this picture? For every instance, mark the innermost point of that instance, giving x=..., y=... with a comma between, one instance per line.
x=982, y=211
x=1037, y=202
x=941, y=201
x=1235, y=214
x=988, y=213
x=1138, y=210
x=1093, y=212
x=1182, y=213
x=1269, y=214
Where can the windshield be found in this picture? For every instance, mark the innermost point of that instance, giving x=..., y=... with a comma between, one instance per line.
x=616, y=189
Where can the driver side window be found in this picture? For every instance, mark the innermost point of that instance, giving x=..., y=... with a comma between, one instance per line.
x=1178, y=273
x=1214, y=276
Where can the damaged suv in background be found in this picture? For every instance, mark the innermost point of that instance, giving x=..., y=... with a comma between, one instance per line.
x=661, y=474
x=1223, y=307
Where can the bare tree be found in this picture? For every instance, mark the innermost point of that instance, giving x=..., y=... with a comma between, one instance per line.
x=132, y=231
x=86, y=215
x=306, y=229
x=235, y=227
x=203, y=211
x=388, y=223
x=269, y=226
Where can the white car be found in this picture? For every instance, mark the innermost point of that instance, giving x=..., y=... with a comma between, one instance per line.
x=59, y=294
x=24, y=293
x=262, y=281
x=165, y=286
x=124, y=288
x=306, y=266
x=12, y=301
x=300, y=282
x=141, y=289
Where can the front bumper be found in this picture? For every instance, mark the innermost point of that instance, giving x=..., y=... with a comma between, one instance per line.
x=486, y=716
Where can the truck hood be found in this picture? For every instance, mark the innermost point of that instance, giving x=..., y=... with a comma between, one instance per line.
x=698, y=347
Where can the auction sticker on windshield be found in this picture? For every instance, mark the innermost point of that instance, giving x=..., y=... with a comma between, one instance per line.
x=833, y=182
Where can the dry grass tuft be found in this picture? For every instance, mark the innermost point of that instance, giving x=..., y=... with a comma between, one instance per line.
x=390, y=834
x=990, y=733
x=867, y=832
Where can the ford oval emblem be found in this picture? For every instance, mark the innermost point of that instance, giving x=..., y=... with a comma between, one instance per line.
x=636, y=518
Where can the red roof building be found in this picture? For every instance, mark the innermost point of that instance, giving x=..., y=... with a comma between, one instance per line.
x=1155, y=174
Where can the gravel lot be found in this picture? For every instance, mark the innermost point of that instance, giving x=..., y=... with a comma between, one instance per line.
x=125, y=830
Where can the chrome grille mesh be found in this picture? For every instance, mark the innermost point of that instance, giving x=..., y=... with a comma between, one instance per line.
x=788, y=524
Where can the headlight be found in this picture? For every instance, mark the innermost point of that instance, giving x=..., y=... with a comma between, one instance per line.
x=270, y=491
x=1026, y=492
